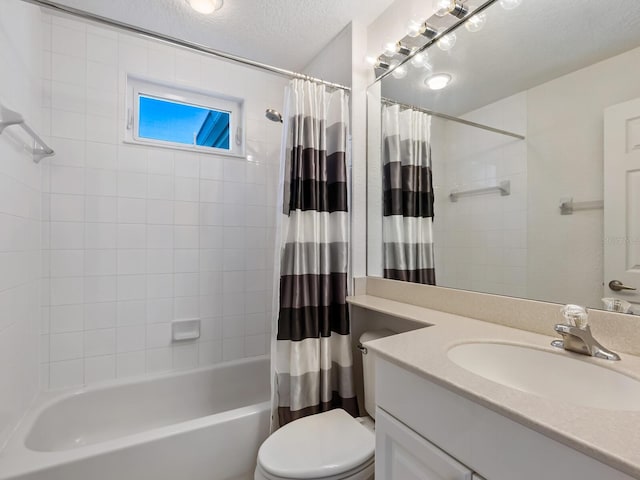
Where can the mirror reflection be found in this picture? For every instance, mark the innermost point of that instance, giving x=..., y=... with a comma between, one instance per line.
x=506, y=160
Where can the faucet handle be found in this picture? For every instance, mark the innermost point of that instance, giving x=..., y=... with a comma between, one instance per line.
x=575, y=316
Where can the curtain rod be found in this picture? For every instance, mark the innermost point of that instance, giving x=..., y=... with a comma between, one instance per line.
x=388, y=101
x=181, y=43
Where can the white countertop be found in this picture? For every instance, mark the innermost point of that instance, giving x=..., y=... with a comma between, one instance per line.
x=612, y=437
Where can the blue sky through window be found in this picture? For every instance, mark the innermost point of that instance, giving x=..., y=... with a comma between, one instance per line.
x=169, y=121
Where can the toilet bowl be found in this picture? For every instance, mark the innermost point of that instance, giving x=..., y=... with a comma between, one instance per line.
x=327, y=446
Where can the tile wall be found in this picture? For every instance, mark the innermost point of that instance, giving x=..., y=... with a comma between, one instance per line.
x=20, y=214
x=481, y=242
x=139, y=236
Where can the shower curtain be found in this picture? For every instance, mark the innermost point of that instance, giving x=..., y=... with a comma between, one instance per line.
x=407, y=227
x=311, y=352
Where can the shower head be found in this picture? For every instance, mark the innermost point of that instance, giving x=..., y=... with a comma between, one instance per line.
x=273, y=115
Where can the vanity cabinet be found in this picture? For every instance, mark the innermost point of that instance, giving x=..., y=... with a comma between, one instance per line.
x=427, y=432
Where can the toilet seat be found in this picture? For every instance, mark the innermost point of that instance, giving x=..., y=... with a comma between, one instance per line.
x=328, y=446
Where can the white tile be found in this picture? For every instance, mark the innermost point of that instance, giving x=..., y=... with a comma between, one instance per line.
x=130, y=364
x=67, y=180
x=132, y=312
x=233, y=282
x=67, y=263
x=68, y=97
x=132, y=236
x=101, y=48
x=67, y=208
x=67, y=291
x=255, y=345
x=132, y=210
x=69, y=153
x=160, y=286
x=211, y=168
x=100, y=235
x=66, y=318
x=102, y=104
x=132, y=287
x=66, y=346
x=67, y=124
x=100, y=289
x=159, y=261
x=186, y=284
x=186, y=260
x=233, y=304
x=211, y=237
x=132, y=185
x=211, y=305
x=234, y=193
x=186, y=307
x=159, y=360
x=211, y=214
x=99, y=342
x=158, y=335
x=185, y=356
x=160, y=187
x=99, y=315
x=161, y=162
x=232, y=348
x=68, y=69
x=162, y=64
x=186, y=165
x=233, y=326
x=234, y=259
x=101, y=182
x=212, y=191
x=66, y=374
x=100, y=209
x=188, y=68
x=234, y=237
x=132, y=158
x=67, y=235
x=186, y=213
x=162, y=236
x=255, y=323
x=131, y=338
x=160, y=212
x=186, y=189
x=102, y=76
x=209, y=353
x=101, y=155
x=99, y=369
x=68, y=41
x=212, y=260
x=160, y=310
x=234, y=170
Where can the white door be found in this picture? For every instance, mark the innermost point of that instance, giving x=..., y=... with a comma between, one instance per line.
x=622, y=201
x=402, y=454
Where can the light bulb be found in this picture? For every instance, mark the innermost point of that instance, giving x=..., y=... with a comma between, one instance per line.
x=447, y=42
x=419, y=59
x=205, y=6
x=438, y=81
x=389, y=48
x=370, y=60
x=400, y=72
x=510, y=4
x=444, y=7
x=414, y=27
x=476, y=23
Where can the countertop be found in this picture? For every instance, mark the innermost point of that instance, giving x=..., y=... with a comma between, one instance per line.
x=612, y=437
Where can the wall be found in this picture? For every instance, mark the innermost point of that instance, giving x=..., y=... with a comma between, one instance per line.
x=565, y=151
x=139, y=236
x=20, y=214
x=481, y=241
x=333, y=63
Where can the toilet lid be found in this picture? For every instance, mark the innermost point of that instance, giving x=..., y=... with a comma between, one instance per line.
x=317, y=446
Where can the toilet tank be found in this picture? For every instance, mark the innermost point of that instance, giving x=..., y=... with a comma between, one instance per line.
x=369, y=370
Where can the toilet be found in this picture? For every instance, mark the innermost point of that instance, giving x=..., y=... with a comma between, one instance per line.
x=328, y=446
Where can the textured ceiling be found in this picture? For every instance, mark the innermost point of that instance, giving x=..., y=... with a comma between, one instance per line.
x=519, y=49
x=284, y=33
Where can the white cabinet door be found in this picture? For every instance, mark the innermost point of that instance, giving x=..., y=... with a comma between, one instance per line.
x=402, y=454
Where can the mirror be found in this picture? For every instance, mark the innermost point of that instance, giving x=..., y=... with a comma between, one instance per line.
x=532, y=150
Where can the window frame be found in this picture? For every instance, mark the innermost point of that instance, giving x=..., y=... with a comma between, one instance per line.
x=137, y=87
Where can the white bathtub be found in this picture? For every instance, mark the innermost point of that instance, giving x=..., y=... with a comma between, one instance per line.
x=202, y=424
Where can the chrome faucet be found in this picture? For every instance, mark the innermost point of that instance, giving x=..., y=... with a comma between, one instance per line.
x=577, y=337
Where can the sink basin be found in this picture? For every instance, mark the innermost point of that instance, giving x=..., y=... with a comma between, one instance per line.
x=547, y=374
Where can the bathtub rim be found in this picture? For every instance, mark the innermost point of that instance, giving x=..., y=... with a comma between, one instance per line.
x=17, y=459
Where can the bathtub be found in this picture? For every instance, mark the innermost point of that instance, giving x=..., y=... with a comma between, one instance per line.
x=201, y=424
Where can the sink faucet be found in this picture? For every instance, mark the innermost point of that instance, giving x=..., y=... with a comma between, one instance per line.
x=577, y=336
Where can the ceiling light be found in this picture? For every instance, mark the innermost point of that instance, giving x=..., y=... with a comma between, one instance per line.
x=457, y=9
x=447, y=42
x=438, y=81
x=510, y=4
x=476, y=22
x=205, y=6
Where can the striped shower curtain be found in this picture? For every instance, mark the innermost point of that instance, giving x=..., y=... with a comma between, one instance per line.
x=311, y=353
x=407, y=227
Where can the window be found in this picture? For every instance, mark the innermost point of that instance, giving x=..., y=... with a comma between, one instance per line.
x=186, y=119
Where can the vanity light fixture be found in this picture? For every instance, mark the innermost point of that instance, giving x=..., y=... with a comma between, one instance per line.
x=510, y=4
x=389, y=48
x=453, y=7
x=414, y=26
x=437, y=81
x=205, y=6
x=476, y=22
x=420, y=60
x=398, y=72
x=447, y=42
x=378, y=62
x=403, y=49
